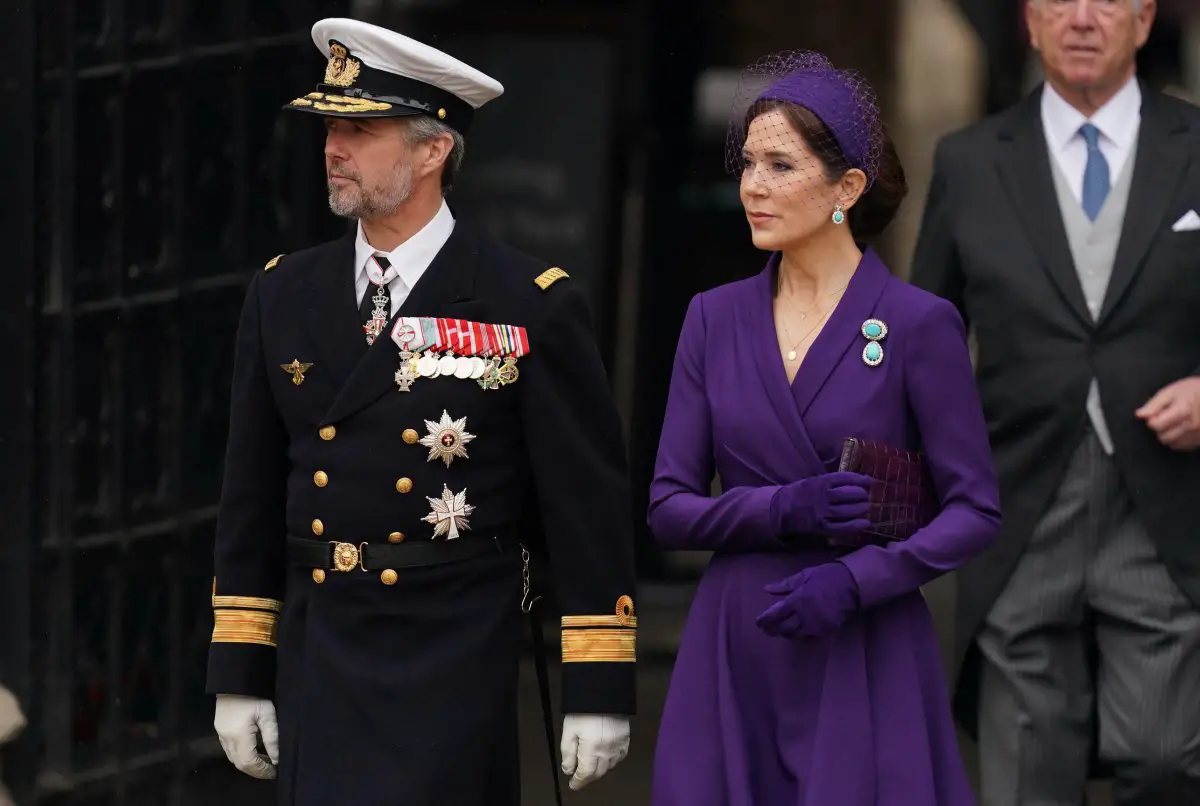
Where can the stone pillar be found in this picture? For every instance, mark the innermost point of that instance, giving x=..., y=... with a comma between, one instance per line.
x=940, y=87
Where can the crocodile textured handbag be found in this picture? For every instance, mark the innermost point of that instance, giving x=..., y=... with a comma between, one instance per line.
x=902, y=499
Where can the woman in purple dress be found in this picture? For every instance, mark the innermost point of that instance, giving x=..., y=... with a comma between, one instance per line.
x=810, y=675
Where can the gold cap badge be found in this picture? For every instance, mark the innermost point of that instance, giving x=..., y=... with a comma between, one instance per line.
x=343, y=68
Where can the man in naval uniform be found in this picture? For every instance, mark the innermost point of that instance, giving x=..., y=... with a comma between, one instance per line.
x=404, y=399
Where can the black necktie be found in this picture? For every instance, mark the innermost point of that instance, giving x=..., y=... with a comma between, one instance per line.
x=367, y=306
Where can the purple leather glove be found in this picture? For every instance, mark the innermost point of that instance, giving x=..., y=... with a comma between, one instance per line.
x=814, y=602
x=828, y=504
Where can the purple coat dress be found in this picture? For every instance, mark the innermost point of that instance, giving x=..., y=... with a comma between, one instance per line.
x=861, y=717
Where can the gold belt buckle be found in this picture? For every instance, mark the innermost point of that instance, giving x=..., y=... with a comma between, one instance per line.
x=346, y=556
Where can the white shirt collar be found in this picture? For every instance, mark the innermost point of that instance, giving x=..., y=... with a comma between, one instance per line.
x=412, y=257
x=1117, y=120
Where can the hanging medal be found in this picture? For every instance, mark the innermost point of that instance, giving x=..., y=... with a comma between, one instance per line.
x=405, y=335
x=463, y=346
x=379, y=315
x=479, y=347
x=380, y=272
x=427, y=364
x=449, y=337
x=509, y=343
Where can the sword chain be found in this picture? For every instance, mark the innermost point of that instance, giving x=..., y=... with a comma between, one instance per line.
x=528, y=600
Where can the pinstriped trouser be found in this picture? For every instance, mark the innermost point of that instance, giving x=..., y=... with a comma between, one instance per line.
x=1090, y=577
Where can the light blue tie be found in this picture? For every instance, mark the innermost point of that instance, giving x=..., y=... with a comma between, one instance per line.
x=1095, y=174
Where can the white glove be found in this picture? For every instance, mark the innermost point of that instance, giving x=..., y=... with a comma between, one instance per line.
x=239, y=722
x=592, y=744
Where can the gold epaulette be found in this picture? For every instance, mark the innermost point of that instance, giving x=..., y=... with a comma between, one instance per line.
x=601, y=639
x=244, y=619
x=549, y=277
x=272, y=262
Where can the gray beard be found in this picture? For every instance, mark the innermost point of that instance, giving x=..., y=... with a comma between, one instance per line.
x=355, y=201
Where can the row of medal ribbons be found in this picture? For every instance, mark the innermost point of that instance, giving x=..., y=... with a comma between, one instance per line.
x=469, y=350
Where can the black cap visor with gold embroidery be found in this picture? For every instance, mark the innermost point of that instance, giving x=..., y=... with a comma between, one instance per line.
x=355, y=90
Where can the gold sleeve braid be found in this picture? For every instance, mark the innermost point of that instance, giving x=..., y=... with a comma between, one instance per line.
x=244, y=619
x=601, y=639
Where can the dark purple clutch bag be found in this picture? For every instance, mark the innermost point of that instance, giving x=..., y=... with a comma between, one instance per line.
x=902, y=498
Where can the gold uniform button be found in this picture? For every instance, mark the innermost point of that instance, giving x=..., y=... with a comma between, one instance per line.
x=318, y=527
x=410, y=436
x=389, y=577
x=328, y=432
x=396, y=537
x=320, y=478
x=318, y=575
x=404, y=486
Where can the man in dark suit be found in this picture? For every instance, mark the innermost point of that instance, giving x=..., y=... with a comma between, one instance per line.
x=1066, y=232
x=405, y=400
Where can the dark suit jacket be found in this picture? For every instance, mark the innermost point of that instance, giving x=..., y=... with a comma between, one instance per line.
x=404, y=676
x=993, y=243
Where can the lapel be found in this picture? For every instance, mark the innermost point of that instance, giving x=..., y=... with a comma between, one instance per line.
x=756, y=318
x=1161, y=163
x=331, y=310
x=444, y=288
x=1023, y=163
x=843, y=331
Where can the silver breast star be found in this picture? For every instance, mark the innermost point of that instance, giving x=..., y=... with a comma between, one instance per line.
x=447, y=439
x=449, y=513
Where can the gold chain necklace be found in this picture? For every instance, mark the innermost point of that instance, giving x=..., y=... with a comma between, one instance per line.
x=791, y=355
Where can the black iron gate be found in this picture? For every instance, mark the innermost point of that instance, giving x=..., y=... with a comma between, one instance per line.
x=148, y=173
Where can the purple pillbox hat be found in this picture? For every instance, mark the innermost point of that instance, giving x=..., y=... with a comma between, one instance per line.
x=841, y=99
x=830, y=97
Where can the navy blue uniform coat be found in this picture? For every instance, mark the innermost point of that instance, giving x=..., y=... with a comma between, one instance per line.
x=405, y=692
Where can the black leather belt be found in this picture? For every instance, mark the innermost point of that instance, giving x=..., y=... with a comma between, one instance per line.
x=375, y=557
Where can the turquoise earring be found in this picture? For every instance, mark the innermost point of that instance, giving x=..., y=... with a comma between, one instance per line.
x=838, y=216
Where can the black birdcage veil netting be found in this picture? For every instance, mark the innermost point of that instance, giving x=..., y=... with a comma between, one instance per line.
x=798, y=123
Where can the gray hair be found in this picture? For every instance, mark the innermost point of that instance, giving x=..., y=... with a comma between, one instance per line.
x=422, y=128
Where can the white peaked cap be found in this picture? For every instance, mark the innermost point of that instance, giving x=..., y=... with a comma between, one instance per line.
x=386, y=50
x=376, y=72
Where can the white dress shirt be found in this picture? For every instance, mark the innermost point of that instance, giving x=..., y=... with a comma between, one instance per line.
x=1118, y=122
x=410, y=258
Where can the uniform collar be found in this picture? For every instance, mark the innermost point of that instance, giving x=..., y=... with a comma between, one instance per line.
x=412, y=257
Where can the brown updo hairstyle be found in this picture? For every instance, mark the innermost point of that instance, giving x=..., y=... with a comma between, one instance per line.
x=875, y=208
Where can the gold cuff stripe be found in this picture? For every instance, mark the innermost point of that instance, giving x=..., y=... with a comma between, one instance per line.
x=244, y=627
x=599, y=646
x=599, y=621
x=248, y=602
